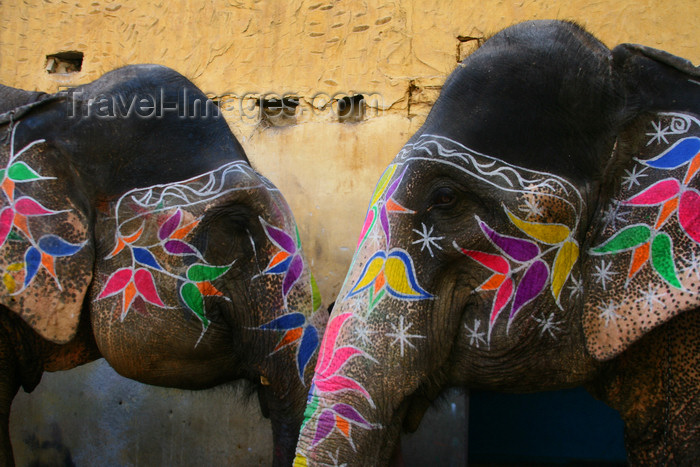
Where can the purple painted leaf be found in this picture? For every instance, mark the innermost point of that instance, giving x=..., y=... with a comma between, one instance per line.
x=293, y=274
x=170, y=225
x=349, y=413
x=32, y=260
x=384, y=221
x=178, y=247
x=394, y=185
x=326, y=423
x=530, y=286
x=56, y=246
x=516, y=248
x=280, y=238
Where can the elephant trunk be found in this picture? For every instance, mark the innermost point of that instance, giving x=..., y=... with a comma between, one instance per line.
x=285, y=417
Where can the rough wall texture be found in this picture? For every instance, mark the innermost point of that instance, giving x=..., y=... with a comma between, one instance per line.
x=396, y=53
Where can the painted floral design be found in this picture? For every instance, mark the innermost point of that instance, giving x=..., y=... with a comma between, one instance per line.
x=140, y=279
x=520, y=273
x=288, y=259
x=391, y=273
x=16, y=210
x=297, y=330
x=382, y=204
x=649, y=243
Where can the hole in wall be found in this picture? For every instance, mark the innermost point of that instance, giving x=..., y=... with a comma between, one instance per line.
x=351, y=108
x=278, y=112
x=64, y=62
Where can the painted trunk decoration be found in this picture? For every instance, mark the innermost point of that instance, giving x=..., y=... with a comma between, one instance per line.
x=385, y=311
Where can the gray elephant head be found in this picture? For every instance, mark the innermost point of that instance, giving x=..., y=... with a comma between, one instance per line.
x=542, y=221
x=133, y=227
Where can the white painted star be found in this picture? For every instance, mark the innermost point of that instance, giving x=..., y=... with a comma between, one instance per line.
x=633, y=177
x=402, y=336
x=659, y=134
x=362, y=334
x=650, y=296
x=608, y=313
x=693, y=265
x=576, y=287
x=426, y=240
x=548, y=325
x=613, y=214
x=532, y=208
x=603, y=273
x=475, y=336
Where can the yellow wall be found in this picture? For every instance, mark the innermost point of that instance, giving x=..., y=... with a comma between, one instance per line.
x=251, y=48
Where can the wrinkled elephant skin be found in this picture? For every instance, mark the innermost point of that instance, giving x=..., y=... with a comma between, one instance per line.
x=539, y=232
x=132, y=227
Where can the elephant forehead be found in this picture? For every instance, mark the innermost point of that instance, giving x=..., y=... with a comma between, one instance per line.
x=541, y=193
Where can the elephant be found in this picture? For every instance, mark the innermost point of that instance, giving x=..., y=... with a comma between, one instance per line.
x=540, y=231
x=134, y=228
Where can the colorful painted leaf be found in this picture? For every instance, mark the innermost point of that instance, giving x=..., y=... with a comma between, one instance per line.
x=337, y=383
x=279, y=237
x=688, y=213
x=326, y=423
x=530, y=286
x=503, y=296
x=279, y=263
x=180, y=248
x=29, y=207
x=401, y=277
x=203, y=272
x=296, y=267
x=339, y=358
x=657, y=193
x=32, y=260
x=7, y=218
x=195, y=302
x=370, y=272
x=21, y=172
x=9, y=282
x=286, y=322
x=369, y=223
x=146, y=286
x=170, y=225
x=329, y=339
x=382, y=184
x=677, y=155
x=349, y=413
x=627, y=238
x=384, y=222
x=145, y=257
x=516, y=248
x=307, y=347
x=496, y=263
x=551, y=234
x=116, y=282
x=56, y=246
x=563, y=264
x=662, y=259
x=316, y=300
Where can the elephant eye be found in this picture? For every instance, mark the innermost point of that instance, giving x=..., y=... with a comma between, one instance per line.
x=443, y=197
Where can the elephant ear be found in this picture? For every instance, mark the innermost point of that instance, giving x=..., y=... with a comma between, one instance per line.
x=46, y=252
x=644, y=253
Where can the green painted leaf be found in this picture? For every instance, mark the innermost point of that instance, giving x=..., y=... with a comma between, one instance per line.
x=2, y=174
x=662, y=259
x=203, y=272
x=629, y=237
x=315, y=294
x=194, y=301
x=21, y=172
x=14, y=236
